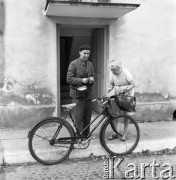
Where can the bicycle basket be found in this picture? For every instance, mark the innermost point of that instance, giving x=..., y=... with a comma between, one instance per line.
x=113, y=107
x=126, y=103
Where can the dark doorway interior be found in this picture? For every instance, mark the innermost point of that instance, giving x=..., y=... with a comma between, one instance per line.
x=65, y=49
x=66, y=43
x=69, y=50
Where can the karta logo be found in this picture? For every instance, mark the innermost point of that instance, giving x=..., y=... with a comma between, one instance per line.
x=137, y=171
x=111, y=168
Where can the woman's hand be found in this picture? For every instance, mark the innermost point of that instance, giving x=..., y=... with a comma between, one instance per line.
x=119, y=90
x=110, y=89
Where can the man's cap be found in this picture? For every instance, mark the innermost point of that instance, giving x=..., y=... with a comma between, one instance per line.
x=84, y=47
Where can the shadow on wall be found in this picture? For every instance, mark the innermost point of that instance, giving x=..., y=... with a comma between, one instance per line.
x=2, y=17
x=174, y=116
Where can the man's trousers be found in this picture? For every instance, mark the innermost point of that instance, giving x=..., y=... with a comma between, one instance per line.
x=82, y=114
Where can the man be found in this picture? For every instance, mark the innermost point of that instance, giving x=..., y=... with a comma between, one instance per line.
x=81, y=73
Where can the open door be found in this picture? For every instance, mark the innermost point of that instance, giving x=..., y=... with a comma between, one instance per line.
x=98, y=60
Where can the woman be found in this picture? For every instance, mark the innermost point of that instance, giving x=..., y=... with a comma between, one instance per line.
x=121, y=81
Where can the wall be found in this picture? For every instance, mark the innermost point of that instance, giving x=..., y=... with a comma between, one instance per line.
x=144, y=40
x=30, y=78
x=2, y=21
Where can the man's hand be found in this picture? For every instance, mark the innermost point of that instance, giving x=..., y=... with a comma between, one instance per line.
x=85, y=80
x=91, y=80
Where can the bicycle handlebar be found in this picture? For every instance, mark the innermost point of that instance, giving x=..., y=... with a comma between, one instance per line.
x=104, y=100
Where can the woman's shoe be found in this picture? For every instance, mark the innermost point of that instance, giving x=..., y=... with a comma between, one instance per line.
x=114, y=136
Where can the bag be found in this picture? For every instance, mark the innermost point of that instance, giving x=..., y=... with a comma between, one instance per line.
x=126, y=103
x=81, y=92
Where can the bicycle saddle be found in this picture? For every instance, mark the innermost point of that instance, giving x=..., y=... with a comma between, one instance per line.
x=69, y=106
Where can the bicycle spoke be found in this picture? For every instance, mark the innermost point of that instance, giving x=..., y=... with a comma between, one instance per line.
x=42, y=137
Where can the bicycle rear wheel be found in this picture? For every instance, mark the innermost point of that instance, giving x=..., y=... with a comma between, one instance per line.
x=117, y=147
x=43, y=144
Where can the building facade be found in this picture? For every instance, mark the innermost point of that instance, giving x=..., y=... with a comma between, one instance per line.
x=38, y=39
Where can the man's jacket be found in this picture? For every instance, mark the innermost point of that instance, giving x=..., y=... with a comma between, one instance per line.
x=76, y=72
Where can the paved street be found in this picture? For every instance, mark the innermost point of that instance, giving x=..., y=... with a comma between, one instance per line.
x=135, y=167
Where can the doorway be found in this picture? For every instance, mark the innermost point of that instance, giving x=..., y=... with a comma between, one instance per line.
x=71, y=38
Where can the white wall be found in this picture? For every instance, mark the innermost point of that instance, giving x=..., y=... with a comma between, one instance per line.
x=29, y=92
x=30, y=43
x=145, y=40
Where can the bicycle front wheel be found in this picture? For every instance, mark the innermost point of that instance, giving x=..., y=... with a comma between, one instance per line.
x=127, y=135
x=43, y=144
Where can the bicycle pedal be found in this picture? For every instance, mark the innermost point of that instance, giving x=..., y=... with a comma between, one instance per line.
x=81, y=145
x=80, y=141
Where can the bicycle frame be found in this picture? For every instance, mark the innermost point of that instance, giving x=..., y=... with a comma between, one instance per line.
x=105, y=113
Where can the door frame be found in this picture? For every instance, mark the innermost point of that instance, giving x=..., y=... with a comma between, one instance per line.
x=101, y=65
x=105, y=63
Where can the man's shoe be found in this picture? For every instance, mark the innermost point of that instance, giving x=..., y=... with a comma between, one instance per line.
x=114, y=136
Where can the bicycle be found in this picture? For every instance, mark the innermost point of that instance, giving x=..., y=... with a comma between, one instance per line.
x=52, y=139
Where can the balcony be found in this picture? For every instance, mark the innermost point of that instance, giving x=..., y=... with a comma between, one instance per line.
x=96, y=9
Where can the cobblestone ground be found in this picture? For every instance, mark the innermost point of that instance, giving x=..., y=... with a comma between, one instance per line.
x=97, y=168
